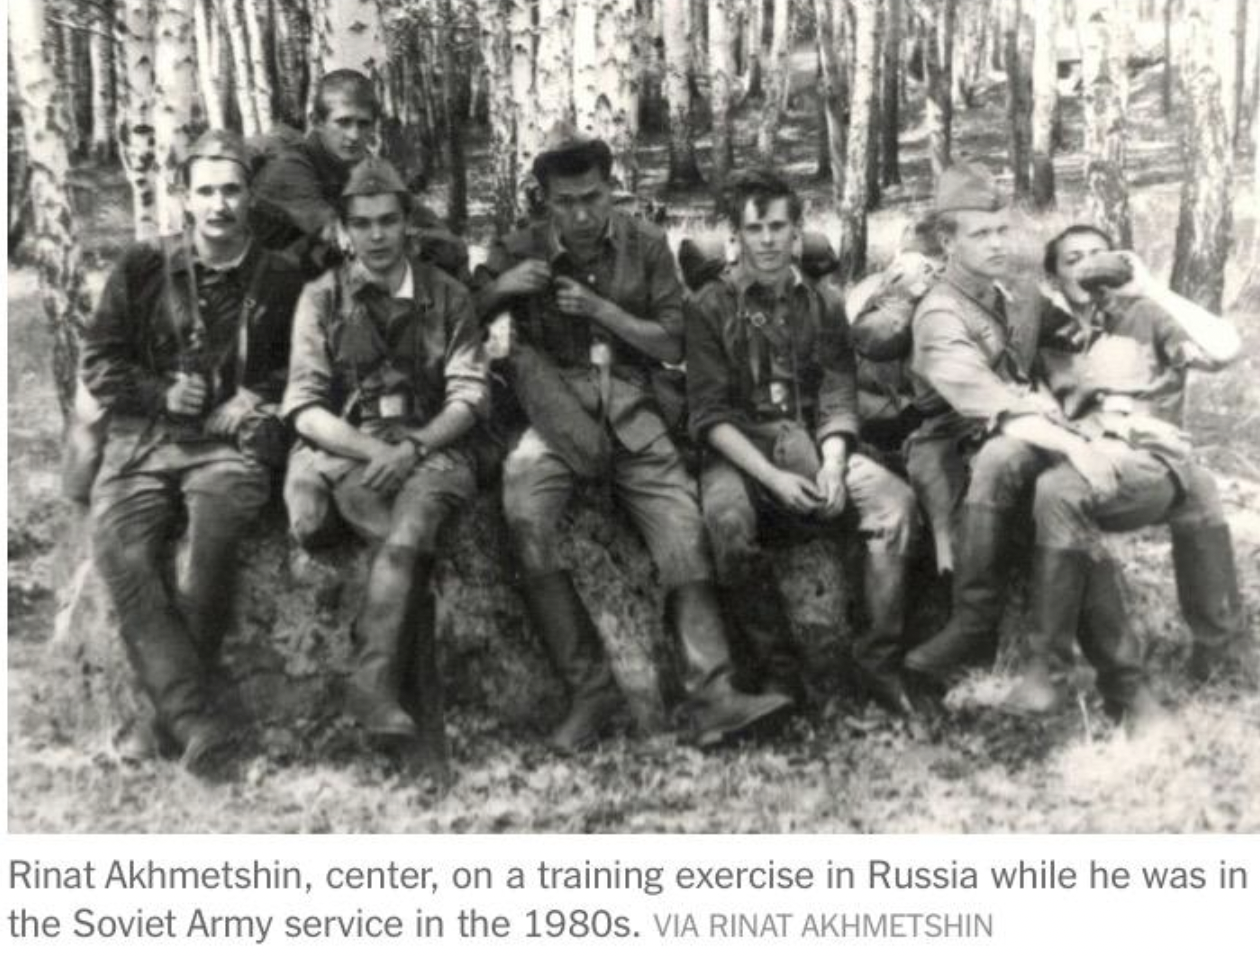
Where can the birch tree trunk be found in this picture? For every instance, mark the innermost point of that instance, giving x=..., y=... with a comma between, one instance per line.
x=347, y=34
x=135, y=128
x=242, y=70
x=1104, y=107
x=292, y=40
x=104, y=105
x=683, y=169
x=586, y=90
x=721, y=89
x=256, y=14
x=58, y=261
x=208, y=34
x=454, y=111
x=496, y=51
x=175, y=72
x=852, y=211
x=835, y=89
x=1045, y=99
x=778, y=80
x=1205, y=224
x=938, y=57
x=617, y=115
x=1166, y=77
x=875, y=117
x=553, y=68
x=754, y=37
x=890, y=99
x=1018, y=57
x=526, y=129
x=1249, y=295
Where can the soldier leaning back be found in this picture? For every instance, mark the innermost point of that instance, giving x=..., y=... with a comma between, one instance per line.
x=185, y=351
x=595, y=297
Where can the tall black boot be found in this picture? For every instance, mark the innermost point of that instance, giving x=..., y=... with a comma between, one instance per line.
x=717, y=709
x=1207, y=589
x=756, y=612
x=1057, y=588
x=878, y=651
x=422, y=696
x=980, y=576
x=1111, y=647
x=559, y=617
x=375, y=687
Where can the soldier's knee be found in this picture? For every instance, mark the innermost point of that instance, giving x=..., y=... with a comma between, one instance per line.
x=308, y=503
x=1002, y=471
x=1061, y=503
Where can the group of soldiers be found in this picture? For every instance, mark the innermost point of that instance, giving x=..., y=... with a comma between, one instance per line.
x=318, y=299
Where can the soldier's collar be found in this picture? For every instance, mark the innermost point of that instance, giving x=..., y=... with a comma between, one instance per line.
x=983, y=291
x=745, y=279
x=613, y=235
x=358, y=279
x=1069, y=331
x=183, y=256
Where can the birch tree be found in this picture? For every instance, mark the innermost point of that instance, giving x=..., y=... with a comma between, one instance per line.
x=292, y=40
x=135, y=128
x=852, y=210
x=526, y=130
x=256, y=15
x=101, y=54
x=58, y=258
x=1104, y=104
x=346, y=34
x=939, y=21
x=890, y=97
x=233, y=19
x=618, y=119
x=721, y=88
x=175, y=70
x=496, y=51
x=754, y=37
x=778, y=80
x=1045, y=100
x=213, y=80
x=1205, y=223
x=830, y=18
x=1017, y=54
x=683, y=170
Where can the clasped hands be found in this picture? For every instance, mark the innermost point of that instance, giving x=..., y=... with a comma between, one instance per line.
x=824, y=497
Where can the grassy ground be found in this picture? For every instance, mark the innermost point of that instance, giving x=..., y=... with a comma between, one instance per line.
x=840, y=768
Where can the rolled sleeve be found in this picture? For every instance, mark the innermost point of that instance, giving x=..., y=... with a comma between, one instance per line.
x=709, y=386
x=837, y=392
x=310, y=366
x=665, y=293
x=467, y=367
x=954, y=366
x=110, y=362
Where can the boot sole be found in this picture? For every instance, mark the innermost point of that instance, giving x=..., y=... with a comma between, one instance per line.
x=768, y=718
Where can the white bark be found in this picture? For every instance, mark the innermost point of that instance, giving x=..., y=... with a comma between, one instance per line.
x=553, y=68
x=721, y=86
x=1045, y=98
x=255, y=15
x=586, y=88
x=242, y=72
x=104, y=106
x=1105, y=106
x=852, y=211
x=135, y=120
x=777, y=80
x=617, y=112
x=174, y=92
x=528, y=134
x=683, y=170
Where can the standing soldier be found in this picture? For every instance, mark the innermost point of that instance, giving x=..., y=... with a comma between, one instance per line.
x=596, y=301
x=772, y=394
x=185, y=352
x=388, y=377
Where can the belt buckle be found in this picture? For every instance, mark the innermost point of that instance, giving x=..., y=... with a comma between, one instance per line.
x=392, y=405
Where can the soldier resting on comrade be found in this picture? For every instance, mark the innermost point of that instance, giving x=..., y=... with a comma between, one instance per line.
x=388, y=376
x=772, y=394
x=1115, y=349
x=597, y=308
x=185, y=352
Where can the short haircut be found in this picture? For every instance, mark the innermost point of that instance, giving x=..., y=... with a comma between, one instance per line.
x=185, y=169
x=405, y=201
x=763, y=187
x=1050, y=262
x=574, y=160
x=350, y=84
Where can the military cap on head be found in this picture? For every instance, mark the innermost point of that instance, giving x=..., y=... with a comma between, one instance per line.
x=967, y=186
x=567, y=149
x=371, y=177
x=221, y=144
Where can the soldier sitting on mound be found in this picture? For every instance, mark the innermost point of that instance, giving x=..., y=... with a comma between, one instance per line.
x=186, y=354
x=772, y=393
x=388, y=377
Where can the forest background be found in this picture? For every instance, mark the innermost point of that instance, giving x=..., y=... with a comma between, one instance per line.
x=1140, y=115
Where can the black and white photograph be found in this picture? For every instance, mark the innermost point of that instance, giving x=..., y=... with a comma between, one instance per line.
x=633, y=416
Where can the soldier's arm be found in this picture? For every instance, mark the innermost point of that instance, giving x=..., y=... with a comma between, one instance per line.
x=1215, y=336
x=467, y=378
x=110, y=362
x=837, y=394
x=660, y=333
x=501, y=278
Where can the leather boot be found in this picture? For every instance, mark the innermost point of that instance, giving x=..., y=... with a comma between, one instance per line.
x=970, y=636
x=421, y=695
x=375, y=687
x=1057, y=589
x=756, y=613
x=717, y=709
x=559, y=617
x=879, y=650
x=1207, y=589
x=1111, y=647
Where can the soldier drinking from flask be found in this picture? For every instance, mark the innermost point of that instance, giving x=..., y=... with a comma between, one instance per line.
x=596, y=300
x=388, y=376
x=186, y=352
x=773, y=394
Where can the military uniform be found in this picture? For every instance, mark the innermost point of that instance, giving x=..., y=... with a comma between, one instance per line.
x=776, y=363
x=389, y=363
x=165, y=313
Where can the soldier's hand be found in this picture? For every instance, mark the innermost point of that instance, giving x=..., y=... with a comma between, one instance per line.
x=1098, y=470
x=831, y=489
x=226, y=419
x=573, y=298
x=1142, y=284
x=188, y=395
x=391, y=466
x=797, y=494
x=525, y=278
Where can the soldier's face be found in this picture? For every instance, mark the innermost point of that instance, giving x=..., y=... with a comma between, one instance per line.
x=377, y=228
x=1073, y=252
x=980, y=243
x=347, y=130
x=580, y=206
x=767, y=237
x=218, y=197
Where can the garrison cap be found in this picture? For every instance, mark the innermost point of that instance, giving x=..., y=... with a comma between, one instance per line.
x=221, y=144
x=371, y=177
x=565, y=144
x=967, y=186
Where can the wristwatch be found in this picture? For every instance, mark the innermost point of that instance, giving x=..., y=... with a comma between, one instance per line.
x=422, y=450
